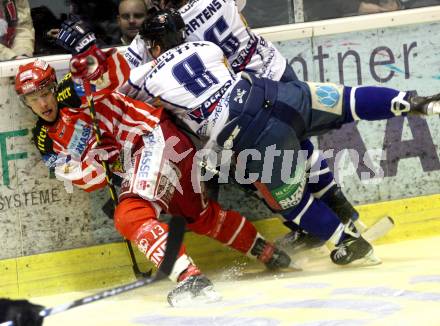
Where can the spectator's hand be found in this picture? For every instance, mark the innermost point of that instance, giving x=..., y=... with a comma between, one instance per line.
x=21, y=312
x=371, y=8
x=52, y=33
x=75, y=36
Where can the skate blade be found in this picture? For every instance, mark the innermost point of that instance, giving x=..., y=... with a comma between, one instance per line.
x=369, y=259
x=206, y=296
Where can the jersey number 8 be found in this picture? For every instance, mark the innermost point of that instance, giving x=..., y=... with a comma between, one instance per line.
x=192, y=74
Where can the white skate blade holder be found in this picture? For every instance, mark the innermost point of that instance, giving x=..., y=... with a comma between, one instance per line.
x=187, y=299
x=370, y=259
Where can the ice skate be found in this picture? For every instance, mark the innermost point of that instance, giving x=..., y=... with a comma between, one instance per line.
x=193, y=287
x=271, y=255
x=354, y=249
x=424, y=105
x=298, y=241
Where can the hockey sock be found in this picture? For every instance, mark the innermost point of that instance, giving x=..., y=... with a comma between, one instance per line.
x=336, y=200
x=316, y=218
x=151, y=239
x=373, y=103
x=135, y=219
x=320, y=177
x=227, y=227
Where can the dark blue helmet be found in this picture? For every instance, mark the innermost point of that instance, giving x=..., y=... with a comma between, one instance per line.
x=163, y=27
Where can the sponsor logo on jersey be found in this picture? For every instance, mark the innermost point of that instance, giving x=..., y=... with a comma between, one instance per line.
x=145, y=164
x=245, y=56
x=80, y=138
x=142, y=185
x=41, y=138
x=167, y=183
x=203, y=111
x=64, y=94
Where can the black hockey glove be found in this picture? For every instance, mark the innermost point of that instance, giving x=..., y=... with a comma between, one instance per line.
x=75, y=35
x=21, y=312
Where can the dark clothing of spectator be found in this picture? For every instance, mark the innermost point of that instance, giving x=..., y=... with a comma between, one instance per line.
x=44, y=20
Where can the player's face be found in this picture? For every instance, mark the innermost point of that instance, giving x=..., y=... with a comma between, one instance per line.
x=43, y=103
x=131, y=16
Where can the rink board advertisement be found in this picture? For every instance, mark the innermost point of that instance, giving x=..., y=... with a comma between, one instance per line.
x=395, y=159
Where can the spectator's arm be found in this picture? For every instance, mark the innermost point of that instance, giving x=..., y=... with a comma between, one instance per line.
x=25, y=34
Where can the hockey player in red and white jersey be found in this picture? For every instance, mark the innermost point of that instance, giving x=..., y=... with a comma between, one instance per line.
x=157, y=159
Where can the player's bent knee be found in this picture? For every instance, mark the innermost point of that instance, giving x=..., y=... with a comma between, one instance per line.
x=131, y=214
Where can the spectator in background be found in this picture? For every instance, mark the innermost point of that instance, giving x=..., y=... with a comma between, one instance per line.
x=16, y=30
x=376, y=6
x=100, y=16
x=132, y=14
x=46, y=28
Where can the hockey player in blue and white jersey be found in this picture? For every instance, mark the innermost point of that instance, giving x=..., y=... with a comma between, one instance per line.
x=221, y=22
x=233, y=111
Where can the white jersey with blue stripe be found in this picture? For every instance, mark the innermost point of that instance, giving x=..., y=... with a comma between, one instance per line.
x=192, y=81
x=220, y=22
x=137, y=54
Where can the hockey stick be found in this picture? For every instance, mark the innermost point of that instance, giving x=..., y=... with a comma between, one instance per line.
x=378, y=229
x=174, y=242
x=105, y=166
